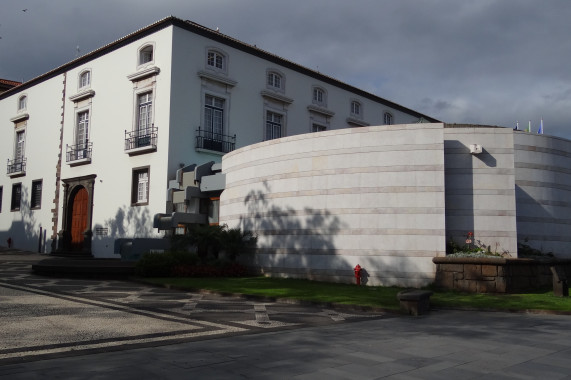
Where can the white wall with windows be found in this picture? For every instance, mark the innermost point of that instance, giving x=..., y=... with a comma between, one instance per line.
x=256, y=93
x=125, y=119
x=30, y=122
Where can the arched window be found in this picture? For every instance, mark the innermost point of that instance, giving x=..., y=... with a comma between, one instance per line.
x=275, y=80
x=85, y=79
x=356, y=109
x=319, y=96
x=146, y=54
x=387, y=118
x=22, y=102
x=216, y=60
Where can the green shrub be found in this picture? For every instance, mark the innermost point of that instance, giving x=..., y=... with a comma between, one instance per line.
x=155, y=265
x=186, y=264
x=183, y=257
x=235, y=241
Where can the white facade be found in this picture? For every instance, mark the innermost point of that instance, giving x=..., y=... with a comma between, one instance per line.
x=390, y=198
x=323, y=203
x=105, y=133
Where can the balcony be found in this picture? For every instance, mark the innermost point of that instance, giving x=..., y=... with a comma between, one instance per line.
x=216, y=142
x=78, y=154
x=141, y=141
x=16, y=167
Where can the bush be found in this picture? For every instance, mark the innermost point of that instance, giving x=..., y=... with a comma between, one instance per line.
x=231, y=270
x=185, y=264
x=235, y=241
x=184, y=257
x=210, y=240
x=155, y=265
x=525, y=250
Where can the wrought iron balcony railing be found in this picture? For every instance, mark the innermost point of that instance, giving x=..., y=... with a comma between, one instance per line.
x=141, y=140
x=17, y=166
x=79, y=152
x=214, y=141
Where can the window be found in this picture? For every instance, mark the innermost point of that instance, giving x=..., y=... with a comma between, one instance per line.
x=17, y=165
x=275, y=80
x=16, y=197
x=146, y=54
x=216, y=60
x=85, y=79
x=140, y=189
x=214, y=116
x=387, y=118
x=145, y=114
x=318, y=128
x=273, y=125
x=19, y=146
x=81, y=134
x=214, y=211
x=143, y=137
x=319, y=96
x=1, y=196
x=355, y=109
x=22, y=102
x=36, y=200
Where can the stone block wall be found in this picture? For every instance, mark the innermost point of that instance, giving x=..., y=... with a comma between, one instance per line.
x=495, y=275
x=480, y=195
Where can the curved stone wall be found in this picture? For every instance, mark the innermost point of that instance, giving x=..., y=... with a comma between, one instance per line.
x=543, y=192
x=322, y=203
x=480, y=195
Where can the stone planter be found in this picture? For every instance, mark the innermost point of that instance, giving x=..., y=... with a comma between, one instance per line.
x=496, y=275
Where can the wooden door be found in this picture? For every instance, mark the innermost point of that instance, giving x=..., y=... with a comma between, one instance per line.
x=78, y=219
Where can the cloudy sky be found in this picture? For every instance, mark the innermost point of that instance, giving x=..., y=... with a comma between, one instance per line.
x=490, y=62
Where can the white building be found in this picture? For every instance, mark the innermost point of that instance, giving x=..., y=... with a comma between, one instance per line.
x=93, y=146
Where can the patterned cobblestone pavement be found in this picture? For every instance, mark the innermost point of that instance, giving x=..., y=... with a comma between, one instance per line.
x=87, y=328
x=46, y=316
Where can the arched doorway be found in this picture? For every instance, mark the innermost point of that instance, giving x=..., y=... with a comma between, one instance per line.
x=75, y=235
x=79, y=211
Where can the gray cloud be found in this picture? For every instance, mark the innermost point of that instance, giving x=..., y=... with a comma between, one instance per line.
x=486, y=61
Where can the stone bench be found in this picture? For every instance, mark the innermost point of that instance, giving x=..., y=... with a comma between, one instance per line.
x=415, y=302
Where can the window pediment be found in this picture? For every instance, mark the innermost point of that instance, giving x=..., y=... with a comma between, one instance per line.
x=321, y=110
x=144, y=74
x=217, y=78
x=82, y=95
x=20, y=117
x=352, y=120
x=274, y=96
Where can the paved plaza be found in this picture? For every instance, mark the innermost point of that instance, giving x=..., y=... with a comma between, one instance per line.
x=88, y=328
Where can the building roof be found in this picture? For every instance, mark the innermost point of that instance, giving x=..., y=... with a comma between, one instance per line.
x=10, y=83
x=219, y=37
x=6, y=85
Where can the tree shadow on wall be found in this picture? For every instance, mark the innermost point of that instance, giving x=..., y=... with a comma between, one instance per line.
x=26, y=233
x=303, y=240
x=288, y=236
x=128, y=223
